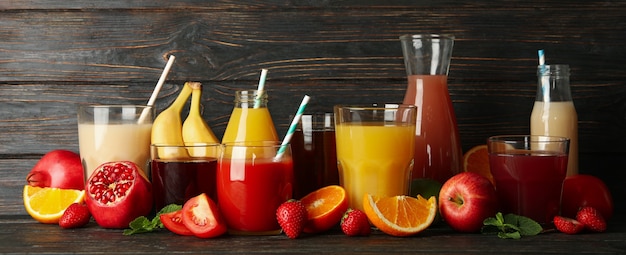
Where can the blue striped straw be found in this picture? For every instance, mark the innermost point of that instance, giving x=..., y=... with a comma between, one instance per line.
x=545, y=81
x=292, y=127
x=261, y=89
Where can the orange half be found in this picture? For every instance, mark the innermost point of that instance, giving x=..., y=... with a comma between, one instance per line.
x=325, y=208
x=477, y=160
x=47, y=205
x=400, y=215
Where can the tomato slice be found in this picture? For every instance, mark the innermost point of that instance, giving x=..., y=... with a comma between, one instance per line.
x=202, y=217
x=173, y=221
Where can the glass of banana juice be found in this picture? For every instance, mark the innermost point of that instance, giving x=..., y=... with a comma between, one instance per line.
x=179, y=173
x=114, y=133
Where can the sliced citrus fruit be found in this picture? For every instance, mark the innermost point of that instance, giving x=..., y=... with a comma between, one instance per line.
x=325, y=207
x=400, y=215
x=477, y=160
x=46, y=205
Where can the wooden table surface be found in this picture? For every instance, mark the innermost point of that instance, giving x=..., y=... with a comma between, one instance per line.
x=21, y=234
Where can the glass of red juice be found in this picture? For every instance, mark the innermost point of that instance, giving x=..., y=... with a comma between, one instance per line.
x=179, y=173
x=529, y=172
x=253, y=180
x=314, y=154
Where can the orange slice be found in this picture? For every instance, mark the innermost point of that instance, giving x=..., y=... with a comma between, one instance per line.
x=477, y=160
x=400, y=215
x=325, y=208
x=47, y=205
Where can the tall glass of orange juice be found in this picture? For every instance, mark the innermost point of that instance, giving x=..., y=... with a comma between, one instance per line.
x=375, y=150
x=250, y=120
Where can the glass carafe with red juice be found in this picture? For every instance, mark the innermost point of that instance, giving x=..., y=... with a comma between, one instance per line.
x=438, y=153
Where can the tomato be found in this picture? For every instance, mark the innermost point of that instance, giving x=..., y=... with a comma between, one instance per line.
x=585, y=190
x=173, y=221
x=202, y=217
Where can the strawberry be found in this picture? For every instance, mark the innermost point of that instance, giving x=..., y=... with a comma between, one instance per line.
x=568, y=225
x=355, y=223
x=75, y=216
x=592, y=219
x=292, y=217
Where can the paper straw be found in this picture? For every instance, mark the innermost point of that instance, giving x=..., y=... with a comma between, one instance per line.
x=292, y=127
x=261, y=89
x=157, y=88
x=545, y=80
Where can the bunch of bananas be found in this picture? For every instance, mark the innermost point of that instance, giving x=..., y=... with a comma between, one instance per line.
x=169, y=129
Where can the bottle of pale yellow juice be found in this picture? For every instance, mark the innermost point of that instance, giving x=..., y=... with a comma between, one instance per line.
x=554, y=113
x=250, y=120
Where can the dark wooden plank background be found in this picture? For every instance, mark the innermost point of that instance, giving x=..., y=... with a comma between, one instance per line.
x=55, y=55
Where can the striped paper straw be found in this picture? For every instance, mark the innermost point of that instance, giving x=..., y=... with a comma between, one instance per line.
x=545, y=80
x=261, y=89
x=292, y=127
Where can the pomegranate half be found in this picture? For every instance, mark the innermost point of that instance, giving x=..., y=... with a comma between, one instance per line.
x=117, y=193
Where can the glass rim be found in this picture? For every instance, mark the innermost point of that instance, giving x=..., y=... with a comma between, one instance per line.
x=517, y=138
x=265, y=144
x=114, y=106
x=426, y=36
x=371, y=107
x=161, y=145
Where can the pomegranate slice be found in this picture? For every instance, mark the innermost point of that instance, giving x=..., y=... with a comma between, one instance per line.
x=117, y=193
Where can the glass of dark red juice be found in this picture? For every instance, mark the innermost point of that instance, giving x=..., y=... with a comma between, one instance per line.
x=529, y=172
x=182, y=172
x=314, y=154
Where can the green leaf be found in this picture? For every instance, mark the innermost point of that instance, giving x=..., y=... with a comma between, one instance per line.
x=143, y=225
x=491, y=221
x=499, y=218
x=528, y=227
x=139, y=222
x=510, y=235
x=511, y=226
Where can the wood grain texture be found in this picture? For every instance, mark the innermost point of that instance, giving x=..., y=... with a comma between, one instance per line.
x=55, y=55
x=20, y=235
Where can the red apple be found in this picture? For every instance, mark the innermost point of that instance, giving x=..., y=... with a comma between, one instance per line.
x=58, y=169
x=466, y=200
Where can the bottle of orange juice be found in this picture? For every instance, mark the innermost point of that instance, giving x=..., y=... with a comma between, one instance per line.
x=250, y=120
x=553, y=113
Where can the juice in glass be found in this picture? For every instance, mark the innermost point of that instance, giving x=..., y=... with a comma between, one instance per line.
x=374, y=150
x=557, y=119
x=175, y=182
x=111, y=133
x=314, y=154
x=529, y=181
x=250, y=121
x=251, y=185
x=437, y=144
x=532, y=183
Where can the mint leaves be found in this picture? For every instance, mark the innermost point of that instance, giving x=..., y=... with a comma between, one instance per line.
x=143, y=225
x=511, y=226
